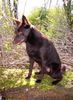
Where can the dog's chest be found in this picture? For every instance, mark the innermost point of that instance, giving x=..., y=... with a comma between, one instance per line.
x=33, y=51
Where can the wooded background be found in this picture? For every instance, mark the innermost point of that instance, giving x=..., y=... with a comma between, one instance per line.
x=56, y=23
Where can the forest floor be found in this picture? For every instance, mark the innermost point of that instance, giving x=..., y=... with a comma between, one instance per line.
x=26, y=93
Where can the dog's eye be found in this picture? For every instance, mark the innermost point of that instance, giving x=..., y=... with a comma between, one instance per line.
x=27, y=26
x=18, y=30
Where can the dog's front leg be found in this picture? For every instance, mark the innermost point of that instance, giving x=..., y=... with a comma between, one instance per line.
x=30, y=68
x=43, y=67
x=41, y=75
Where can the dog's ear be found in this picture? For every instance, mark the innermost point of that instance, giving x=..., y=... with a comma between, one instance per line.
x=24, y=20
x=16, y=21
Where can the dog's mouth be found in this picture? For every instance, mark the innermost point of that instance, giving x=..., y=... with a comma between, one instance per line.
x=18, y=41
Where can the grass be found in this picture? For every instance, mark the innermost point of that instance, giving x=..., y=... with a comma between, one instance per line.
x=11, y=78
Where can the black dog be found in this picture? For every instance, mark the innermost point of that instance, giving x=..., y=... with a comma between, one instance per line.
x=40, y=50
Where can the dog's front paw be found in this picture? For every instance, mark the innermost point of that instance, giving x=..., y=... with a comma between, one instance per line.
x=27, y=77
x=38, y=81
x=55, y=82
x=37, y=73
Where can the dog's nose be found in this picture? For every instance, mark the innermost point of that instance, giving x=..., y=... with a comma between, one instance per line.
x=13, y=42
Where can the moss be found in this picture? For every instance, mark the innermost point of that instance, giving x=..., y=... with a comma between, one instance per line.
x=10, y=78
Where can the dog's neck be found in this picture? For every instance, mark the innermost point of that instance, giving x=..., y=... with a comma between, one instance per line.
x=34, y=37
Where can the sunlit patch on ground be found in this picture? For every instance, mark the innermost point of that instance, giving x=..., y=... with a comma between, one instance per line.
x=11, y=78
x=67, y=81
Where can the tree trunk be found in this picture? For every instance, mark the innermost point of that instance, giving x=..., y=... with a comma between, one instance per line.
x=67, y=7
x=4, y=8
x=10, y=7
x=15, y=9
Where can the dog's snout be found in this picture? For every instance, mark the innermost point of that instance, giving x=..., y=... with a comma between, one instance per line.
x=19, y=33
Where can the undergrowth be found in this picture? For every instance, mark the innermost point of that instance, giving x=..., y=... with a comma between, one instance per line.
x=11, y=78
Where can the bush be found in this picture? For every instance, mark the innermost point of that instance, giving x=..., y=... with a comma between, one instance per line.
x=49, y=21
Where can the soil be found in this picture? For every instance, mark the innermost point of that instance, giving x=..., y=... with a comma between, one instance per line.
x=25, y=93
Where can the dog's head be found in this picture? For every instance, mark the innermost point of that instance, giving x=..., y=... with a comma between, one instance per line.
x=22, y=31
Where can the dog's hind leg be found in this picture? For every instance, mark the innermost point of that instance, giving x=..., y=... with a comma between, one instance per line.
x=57, y=76
x=41, y=75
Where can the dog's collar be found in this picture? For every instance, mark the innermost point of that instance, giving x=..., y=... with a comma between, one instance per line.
x=32, y=26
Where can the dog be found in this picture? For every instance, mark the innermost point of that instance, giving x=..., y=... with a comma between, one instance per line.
x=40, y=50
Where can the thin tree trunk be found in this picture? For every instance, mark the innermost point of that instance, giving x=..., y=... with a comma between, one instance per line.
x=15, y=8
x=50, y=3
x=4, y=8
x=10, y=8
x=67, y=7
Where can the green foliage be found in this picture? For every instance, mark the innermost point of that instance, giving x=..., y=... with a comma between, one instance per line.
x=6, y=22
x=49, y=21
x=6, y=27
x=7, y=46
x=68, y=79
x=10, y=78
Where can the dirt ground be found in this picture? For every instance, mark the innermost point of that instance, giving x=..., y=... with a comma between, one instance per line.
x=25, y=93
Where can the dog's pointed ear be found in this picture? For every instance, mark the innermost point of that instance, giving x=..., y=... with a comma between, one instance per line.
x=16, y=21
x=24, y=20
